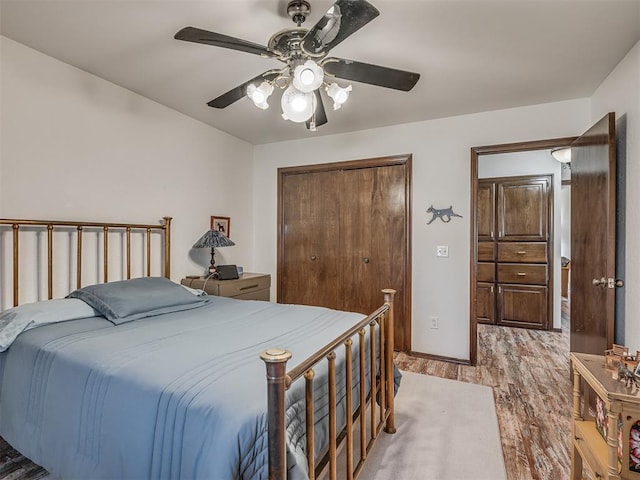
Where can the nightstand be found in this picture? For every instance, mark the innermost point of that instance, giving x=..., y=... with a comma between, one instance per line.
x=250, y=286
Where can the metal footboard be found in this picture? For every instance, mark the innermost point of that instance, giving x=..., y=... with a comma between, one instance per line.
x=382, y=390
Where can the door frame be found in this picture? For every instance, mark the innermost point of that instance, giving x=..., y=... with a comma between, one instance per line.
x=403, y=159
x=475, y=153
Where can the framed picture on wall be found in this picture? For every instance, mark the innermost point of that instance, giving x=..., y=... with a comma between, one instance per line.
x=221, y=224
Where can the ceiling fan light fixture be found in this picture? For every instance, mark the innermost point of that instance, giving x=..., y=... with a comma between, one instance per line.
x=297, y=106
x=338, y=94
x=308, y=76
x=259, y=95
x=562, y=154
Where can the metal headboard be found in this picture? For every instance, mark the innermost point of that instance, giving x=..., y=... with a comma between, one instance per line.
x=126, y=228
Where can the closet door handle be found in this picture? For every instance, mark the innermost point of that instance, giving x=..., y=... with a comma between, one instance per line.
x=365, y=259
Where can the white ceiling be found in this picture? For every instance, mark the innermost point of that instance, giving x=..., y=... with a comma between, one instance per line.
x=473, y=55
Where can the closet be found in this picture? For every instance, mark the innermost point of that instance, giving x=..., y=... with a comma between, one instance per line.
x=515, y=250
x=344, y=235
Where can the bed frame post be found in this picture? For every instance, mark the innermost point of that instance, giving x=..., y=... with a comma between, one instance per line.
x=277, y=383
x=167, y=247
x=388, y=358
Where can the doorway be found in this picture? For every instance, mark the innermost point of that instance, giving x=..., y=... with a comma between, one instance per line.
x=477, y=154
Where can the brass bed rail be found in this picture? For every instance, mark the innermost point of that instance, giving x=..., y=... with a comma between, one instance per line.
x=279, y=381
x=127, y=228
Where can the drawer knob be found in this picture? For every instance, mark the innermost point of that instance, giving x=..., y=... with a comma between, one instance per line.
x=365, y=259
x=313, y=258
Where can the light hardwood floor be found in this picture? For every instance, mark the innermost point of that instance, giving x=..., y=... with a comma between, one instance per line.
x=530, y=375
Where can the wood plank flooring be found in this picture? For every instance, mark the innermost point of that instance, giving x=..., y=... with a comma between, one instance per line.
x=530, y=375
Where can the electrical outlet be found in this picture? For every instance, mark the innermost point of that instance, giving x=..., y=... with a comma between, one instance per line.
x=434, y=322
x=442, y=251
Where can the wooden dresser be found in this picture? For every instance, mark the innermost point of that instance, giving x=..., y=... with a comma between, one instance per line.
x=250, y=286
x=616, y=418
x=514, y=251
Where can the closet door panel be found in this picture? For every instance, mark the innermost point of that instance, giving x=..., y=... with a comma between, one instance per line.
x=310, y=238
x=486, y=211
x=373, y=239
x=523, y=210
x=522, y=306
x=486, y=301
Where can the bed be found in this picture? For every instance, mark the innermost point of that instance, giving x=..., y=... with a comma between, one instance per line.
x=140, y=378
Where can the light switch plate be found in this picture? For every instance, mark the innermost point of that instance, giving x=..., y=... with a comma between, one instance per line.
x=442, y=251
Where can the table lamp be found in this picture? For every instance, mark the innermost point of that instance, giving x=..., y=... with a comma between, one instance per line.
x=212, y=239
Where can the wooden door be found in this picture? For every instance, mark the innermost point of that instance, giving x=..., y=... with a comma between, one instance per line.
x=486, y=211
x=523, y=209
x=310, y=217
x=344, y=235
x=593, y=238
x=373, y=240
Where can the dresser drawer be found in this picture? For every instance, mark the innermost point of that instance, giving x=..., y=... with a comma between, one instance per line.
x=522, y=252
x=486, y=272
x=486, y=251
x=244, y=286
x=523, y=273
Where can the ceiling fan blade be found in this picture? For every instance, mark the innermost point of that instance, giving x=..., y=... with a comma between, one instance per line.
x=240, y=91
x=320, y=113
x=196, y=35
x=341, y=20
x=371, y=74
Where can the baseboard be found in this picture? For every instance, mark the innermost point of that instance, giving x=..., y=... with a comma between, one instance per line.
x=439, y=358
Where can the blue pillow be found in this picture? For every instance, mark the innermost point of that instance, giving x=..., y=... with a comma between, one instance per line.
x=128, y=300
x=30, y=315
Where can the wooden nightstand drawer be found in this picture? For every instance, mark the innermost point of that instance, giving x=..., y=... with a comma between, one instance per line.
x=246, y=284
x=250, y=286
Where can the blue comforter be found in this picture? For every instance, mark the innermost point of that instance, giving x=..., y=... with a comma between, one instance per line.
x=178, y=395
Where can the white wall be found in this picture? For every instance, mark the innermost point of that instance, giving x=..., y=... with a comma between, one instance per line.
x=441, y=176
x=76, y=147
x=620, y=93
x=537, y=162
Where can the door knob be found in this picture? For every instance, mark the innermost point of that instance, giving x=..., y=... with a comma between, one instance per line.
x=599, y=282
x=365, y=259
x=612, y=283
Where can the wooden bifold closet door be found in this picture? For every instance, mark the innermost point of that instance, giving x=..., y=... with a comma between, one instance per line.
x=344, y=236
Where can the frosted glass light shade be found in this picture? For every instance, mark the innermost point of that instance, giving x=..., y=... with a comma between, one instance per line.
x=338, y=94
x=562, y=154
x=259, y=95
x=308, y=76
x=297, y=106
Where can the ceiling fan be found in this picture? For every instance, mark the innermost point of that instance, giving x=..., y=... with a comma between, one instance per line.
x=308, y=68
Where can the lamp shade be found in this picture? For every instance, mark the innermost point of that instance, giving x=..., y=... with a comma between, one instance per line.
x=213, y=238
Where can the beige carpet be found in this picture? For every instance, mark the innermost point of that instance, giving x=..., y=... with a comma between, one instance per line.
x=446, y=430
